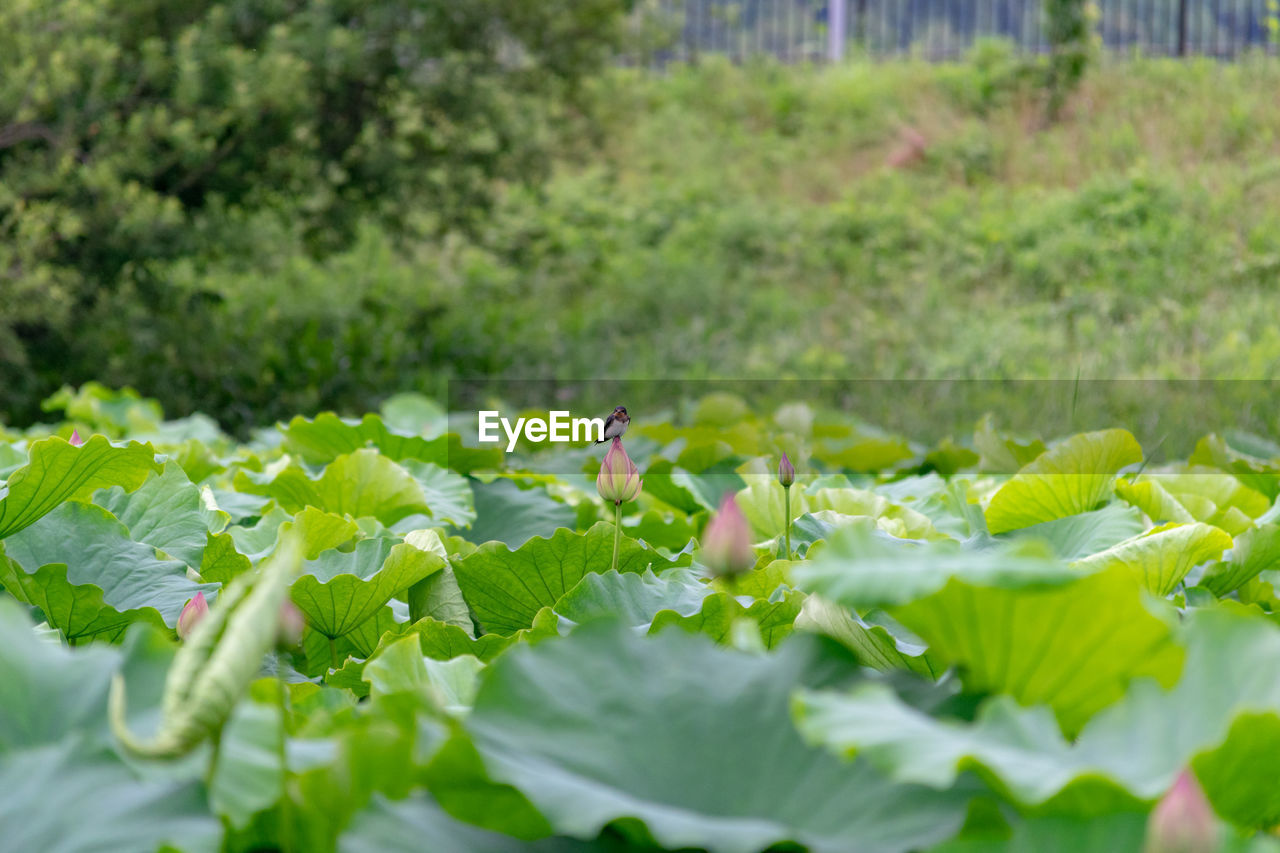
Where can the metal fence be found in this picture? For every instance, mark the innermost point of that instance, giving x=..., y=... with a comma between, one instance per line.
x=816, y=30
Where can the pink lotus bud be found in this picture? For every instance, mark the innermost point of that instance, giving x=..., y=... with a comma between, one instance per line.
x=786, y=472
x=1183, y=821
x=726, y=543
x=75, y=440
x=619, y=479
x=195, y=610
x=292, y=624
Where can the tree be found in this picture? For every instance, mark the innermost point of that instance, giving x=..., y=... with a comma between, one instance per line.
x=1068, y=33
x=137, y=132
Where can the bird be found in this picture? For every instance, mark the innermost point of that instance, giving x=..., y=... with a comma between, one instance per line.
x=616, y=424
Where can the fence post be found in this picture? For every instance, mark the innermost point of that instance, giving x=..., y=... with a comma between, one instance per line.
x=835, y=29
x=1182, y=27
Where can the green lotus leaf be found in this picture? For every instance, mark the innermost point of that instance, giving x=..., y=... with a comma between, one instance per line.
x=757, y=583
x=439, y=597
x=690, y=492
x=361, y=484
x=633, y=597
x=109, y=408
x=1222, y=717
x=257, y=540
x=1073, y=647
x=11, y=459
x=658, y=529
x=1255, y=551
x=415, y=414
x=1080, y=535
x=326, y=437
x=773, y=618
x=1154, y=500
x=1053, y=833
x=1162, y=557
x=507, y=588
x=865, y=453
x=64, y=788
x=862, y=566
x=448, y=684
x=88, y=577
x=323, y=653
x=571, y=724
x=895, y=520
x=167, y=513
x=323, y=439
x=763, y=501
x=506, y=512
x=1212, y=497
x=949, y=458
x=1253, y=460
x=447, y=493
x=815, y=527
x=57, y=472
x=340, y=660
x=418, y=823
x=1069, y=478
x=1003, y=454
x=442, y=642
x=248, y=777
x=319, y=530
x=877, y=640
x=339, y=590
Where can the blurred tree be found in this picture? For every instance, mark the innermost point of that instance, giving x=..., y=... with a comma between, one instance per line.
x=1067, y=29
x=138, y=132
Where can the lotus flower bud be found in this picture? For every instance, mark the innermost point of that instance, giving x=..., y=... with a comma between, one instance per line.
x=195, y=610
x=75, y=440
x=786, y=472
x=726, y=543
x=1182, y=822
x=292, y=624
x=619, y=479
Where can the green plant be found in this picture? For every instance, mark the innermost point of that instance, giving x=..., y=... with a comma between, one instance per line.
x=1088, y=630
x=140, y=135
x=1067, y=31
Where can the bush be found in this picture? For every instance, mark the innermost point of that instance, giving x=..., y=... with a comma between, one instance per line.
x=140, y=134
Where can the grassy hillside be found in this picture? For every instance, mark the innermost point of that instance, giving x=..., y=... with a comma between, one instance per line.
x=898, y=220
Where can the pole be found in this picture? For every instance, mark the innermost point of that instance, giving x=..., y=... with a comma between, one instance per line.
x=1182, y=27
x=835, y=29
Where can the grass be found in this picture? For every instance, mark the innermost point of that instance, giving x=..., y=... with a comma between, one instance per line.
x=724, y=221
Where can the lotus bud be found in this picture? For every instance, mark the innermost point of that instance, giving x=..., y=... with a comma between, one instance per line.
x=292, y=625
x=786, y=472
x=75, y=440
x=619, y=479
x=726, y=543
x=1183, y=821
x=195, y=610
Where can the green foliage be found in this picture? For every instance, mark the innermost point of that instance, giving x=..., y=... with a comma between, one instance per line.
x=1067, y=31
x=137, y=135
x=1013, y=659
x=733, y=200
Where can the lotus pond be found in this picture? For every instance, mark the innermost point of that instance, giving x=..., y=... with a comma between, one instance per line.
x=411, y=642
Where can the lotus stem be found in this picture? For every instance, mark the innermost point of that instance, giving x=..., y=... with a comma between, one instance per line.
x=216, y=738
x=786, y=520
x=617, y=532
x=286, y=829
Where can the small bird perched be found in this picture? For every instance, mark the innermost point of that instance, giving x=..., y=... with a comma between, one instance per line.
x=616, y=424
